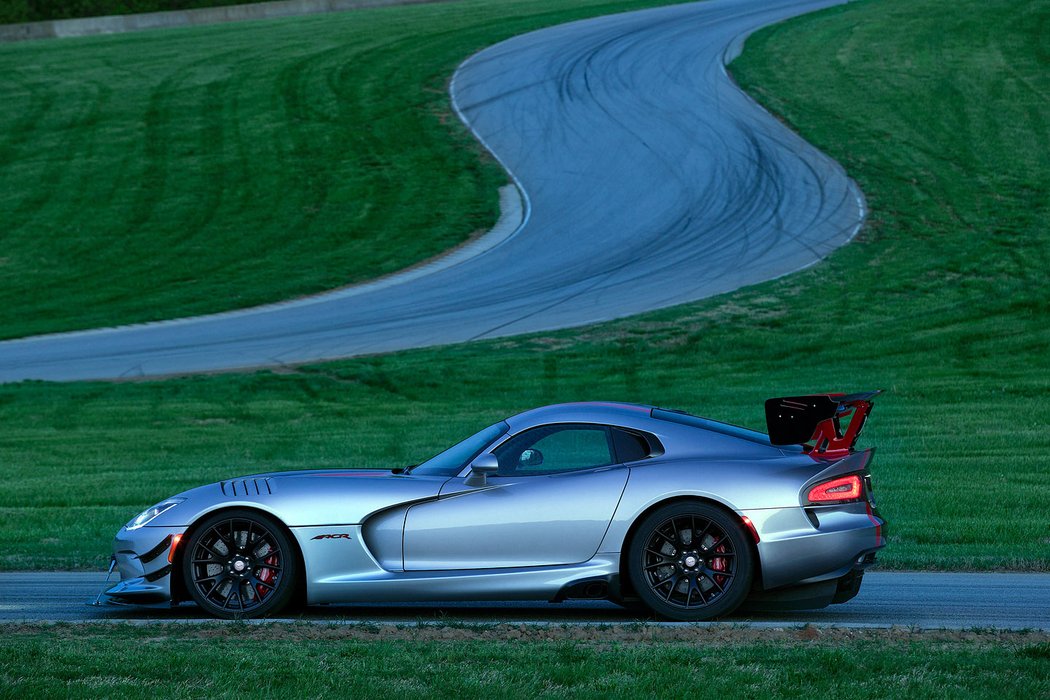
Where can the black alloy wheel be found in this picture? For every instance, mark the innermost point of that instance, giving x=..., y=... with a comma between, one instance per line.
x=239, y=564
x=690, y=561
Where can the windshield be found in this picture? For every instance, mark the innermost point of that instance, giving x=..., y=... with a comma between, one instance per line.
x=454, y=459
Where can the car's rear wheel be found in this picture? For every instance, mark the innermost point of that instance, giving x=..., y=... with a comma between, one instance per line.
x=239, y=564
x=690, y=561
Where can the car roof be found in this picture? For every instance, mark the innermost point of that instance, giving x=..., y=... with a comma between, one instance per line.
x=583, y=412
x=674, y=428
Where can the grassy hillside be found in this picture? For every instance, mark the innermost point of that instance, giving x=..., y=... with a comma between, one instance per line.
x=940, y=112
x=227, y=166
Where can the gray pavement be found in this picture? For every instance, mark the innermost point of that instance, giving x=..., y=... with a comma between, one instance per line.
x=649, y=179
x=921, y=600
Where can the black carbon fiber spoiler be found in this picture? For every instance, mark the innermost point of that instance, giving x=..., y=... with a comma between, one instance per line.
x=815, y=421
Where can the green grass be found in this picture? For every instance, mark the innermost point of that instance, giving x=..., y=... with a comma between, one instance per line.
x=231, y=661
x=940, y=112
x=160, y=174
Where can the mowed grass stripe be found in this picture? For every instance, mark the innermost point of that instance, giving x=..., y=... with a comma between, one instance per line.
x=169, y=173
x=941, y=301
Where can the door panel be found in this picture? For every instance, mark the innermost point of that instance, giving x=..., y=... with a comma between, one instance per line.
x=515, y=521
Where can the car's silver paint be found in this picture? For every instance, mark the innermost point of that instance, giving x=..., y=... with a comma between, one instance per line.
x=792, y=551
x=522, y=521
x=527, y=537
x=330, y=559
x=532, y=583
x=344, y=570
x=312, y=497
x=129, y=546
x=384, y=536
x=766, y=491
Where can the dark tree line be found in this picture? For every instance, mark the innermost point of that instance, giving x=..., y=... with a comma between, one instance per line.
x=35, y=10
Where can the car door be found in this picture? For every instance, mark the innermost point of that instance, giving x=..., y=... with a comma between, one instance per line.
x=550, y=503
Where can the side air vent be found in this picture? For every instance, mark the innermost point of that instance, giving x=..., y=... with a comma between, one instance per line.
x=246, y=487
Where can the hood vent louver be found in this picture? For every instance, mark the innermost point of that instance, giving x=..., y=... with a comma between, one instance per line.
x=246, y=487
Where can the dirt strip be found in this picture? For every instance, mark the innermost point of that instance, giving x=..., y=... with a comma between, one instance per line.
x=640, y=633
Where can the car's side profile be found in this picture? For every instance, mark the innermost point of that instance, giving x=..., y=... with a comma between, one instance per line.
x=636, y=504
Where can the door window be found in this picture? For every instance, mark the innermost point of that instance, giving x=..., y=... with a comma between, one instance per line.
x=555, y=448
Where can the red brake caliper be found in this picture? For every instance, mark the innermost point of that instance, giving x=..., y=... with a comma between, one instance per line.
x=266, y=575
x=719, y=563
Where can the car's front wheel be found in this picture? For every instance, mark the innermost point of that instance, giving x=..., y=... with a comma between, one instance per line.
x=690, y=561
x=239, y=564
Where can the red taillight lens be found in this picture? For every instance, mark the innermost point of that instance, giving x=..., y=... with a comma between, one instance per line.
x=845, y=488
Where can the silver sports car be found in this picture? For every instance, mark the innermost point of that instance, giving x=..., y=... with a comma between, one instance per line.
x=686, y=516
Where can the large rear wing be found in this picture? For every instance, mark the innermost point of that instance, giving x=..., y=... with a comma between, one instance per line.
x=815, y=421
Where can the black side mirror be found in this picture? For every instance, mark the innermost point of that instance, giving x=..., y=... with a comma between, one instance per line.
x=481, y=468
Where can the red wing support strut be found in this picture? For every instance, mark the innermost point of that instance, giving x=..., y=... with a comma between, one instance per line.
x=815, y=421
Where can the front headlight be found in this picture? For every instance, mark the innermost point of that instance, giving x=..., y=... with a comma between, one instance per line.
x=152, y=512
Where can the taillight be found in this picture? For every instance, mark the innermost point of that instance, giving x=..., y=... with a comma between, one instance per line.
x=839, y=490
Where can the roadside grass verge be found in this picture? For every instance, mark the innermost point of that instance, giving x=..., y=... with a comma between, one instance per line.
x=169, y=173
x=939, y=111
x=309, y=661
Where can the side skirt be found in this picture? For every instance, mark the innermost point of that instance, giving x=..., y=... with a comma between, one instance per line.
x=533, y=583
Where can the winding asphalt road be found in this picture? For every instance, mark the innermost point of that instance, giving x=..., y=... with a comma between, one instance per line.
x=648, y=178
x=923, y=600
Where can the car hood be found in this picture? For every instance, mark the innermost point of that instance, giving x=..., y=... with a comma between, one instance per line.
x=306, y=498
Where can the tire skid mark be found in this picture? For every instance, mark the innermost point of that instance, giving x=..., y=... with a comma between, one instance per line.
x=649, y=179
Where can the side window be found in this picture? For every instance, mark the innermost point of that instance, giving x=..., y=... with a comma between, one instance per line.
x=630, y=447
x=555, y=448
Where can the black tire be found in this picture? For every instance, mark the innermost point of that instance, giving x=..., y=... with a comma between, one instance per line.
x=240, y=564
x=687, y=576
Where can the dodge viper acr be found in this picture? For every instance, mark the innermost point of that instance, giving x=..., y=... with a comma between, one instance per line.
x=686, y=516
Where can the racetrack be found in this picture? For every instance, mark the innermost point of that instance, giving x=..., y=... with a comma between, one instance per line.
x=921, y=600
x=650, y=180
